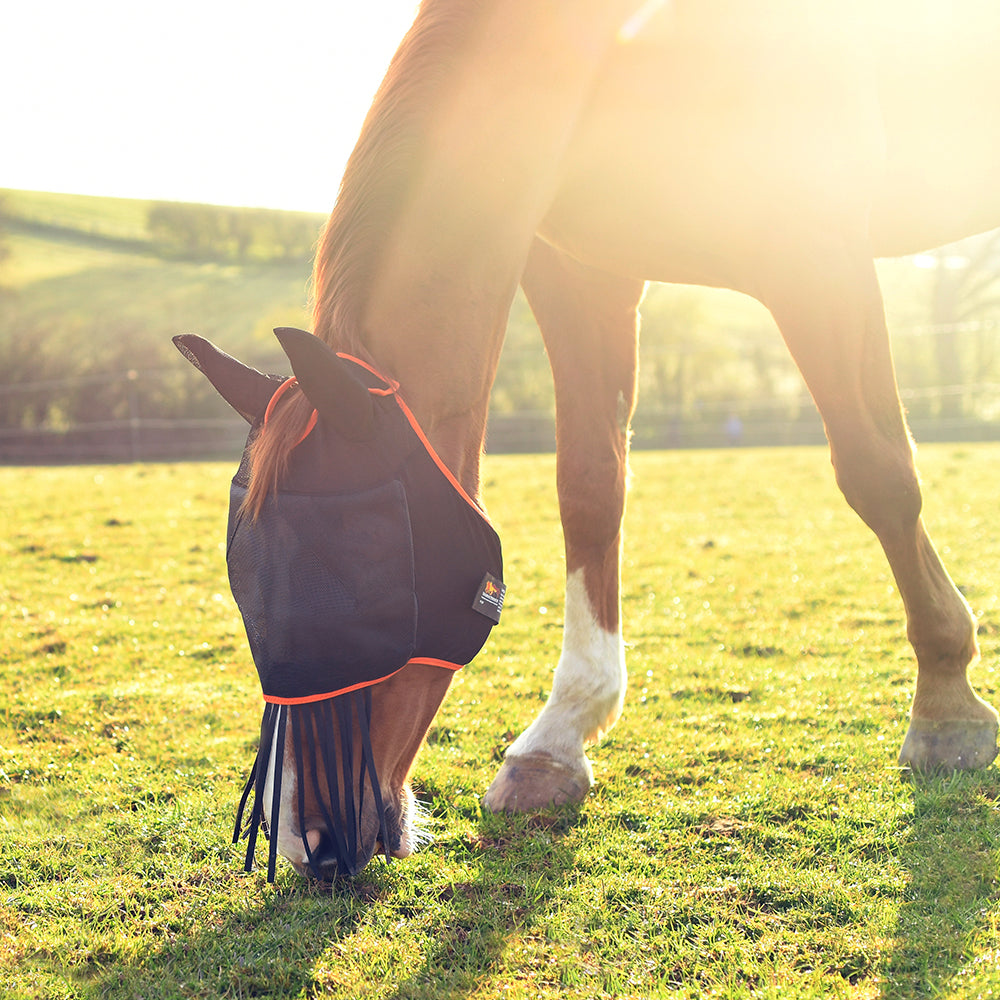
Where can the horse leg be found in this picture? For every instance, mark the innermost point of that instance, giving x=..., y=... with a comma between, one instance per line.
x=589, y=320
x=833, y=322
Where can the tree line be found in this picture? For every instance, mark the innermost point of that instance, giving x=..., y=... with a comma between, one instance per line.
x=707, y=359
x=216, y=232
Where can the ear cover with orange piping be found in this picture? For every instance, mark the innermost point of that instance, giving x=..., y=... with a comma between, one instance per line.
x=329, y=382
x=245, y=389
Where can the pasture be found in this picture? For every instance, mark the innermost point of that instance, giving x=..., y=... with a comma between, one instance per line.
x=749, y=836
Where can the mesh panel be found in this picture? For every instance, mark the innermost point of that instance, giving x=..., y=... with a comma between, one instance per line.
x=325, y=586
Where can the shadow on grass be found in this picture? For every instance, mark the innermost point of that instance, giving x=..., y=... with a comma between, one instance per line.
x=254, y=942
x=300, y=939
x=521, y=865
x=950, y=853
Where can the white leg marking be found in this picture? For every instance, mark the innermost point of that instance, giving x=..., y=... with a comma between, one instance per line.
x=289, y=845
x=588, y=689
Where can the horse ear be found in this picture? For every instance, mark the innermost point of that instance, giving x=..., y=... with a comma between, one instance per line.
x=245, y=389
x=330, y=385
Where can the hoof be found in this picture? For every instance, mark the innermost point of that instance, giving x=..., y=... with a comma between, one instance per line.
x=537, y=781
x=963, y=745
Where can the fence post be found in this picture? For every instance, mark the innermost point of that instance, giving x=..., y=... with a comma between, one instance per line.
x=132, y=380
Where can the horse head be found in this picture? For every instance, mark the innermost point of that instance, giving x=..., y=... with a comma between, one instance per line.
x=364, y=580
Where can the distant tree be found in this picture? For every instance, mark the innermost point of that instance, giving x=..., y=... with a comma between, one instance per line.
x=292, y=234
x=523, y=380
x=4, y=238
x=219, y=233
x=700, y=346
x=241, y=231
x=193, y=231
x=964, y=302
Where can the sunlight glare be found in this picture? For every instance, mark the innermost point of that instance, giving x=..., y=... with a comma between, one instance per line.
x=631, y=28
x=207, y=100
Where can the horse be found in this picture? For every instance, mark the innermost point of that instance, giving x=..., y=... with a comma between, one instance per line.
x=581, y=148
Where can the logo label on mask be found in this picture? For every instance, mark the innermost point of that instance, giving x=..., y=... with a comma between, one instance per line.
x=489, y=598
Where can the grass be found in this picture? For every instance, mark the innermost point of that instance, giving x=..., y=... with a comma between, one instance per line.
x=749, y=835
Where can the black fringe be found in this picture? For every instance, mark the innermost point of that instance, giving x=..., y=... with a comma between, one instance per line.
x=311, y=728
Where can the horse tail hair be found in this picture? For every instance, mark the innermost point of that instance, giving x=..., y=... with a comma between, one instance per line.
x=271, y=447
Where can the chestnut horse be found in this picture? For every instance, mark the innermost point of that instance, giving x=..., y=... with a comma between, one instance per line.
x=583, y=147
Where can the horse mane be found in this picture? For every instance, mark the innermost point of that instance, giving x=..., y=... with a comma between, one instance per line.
x=373, y=190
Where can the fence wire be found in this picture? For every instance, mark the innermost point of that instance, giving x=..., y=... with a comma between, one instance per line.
x=41, y=423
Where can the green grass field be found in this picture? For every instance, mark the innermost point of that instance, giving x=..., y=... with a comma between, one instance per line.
x=749, y=835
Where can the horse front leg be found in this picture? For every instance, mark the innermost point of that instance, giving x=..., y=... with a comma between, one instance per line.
x=833, y=322
x=589, y=320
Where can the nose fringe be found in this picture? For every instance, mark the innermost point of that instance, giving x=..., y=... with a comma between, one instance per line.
x=312, y=729
x=326, y=865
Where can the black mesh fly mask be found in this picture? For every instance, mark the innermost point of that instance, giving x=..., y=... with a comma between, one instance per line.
x=368, y=557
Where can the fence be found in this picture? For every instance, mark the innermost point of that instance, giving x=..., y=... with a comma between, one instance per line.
x=125, y=435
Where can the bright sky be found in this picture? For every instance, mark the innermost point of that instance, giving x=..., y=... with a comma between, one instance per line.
x=234, y=102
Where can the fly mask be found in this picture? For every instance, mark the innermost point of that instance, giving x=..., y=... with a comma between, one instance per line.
x=367, y=557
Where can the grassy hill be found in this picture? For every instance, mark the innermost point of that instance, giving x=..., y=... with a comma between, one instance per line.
x=84, y=262
x=88, y=295
x=86, y=287
x=113, y=218
x=94, y=288
x=76, y=257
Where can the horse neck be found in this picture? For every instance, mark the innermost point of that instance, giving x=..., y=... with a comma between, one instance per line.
x=380, y=177
x=458, y=162
x=441, y=344
x=385, y=289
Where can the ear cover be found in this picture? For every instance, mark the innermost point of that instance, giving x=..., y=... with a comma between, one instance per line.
x=329, y=383
x=245, y=389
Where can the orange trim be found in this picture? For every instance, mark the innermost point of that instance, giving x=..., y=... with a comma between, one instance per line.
x=393, y=390
x=418, y=430
x=278, y=393
x=431, y=662
x=390, y=382
x=309, y=699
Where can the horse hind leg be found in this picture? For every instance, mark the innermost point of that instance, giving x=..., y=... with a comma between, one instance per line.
x=589, y=320
x=833, y=322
